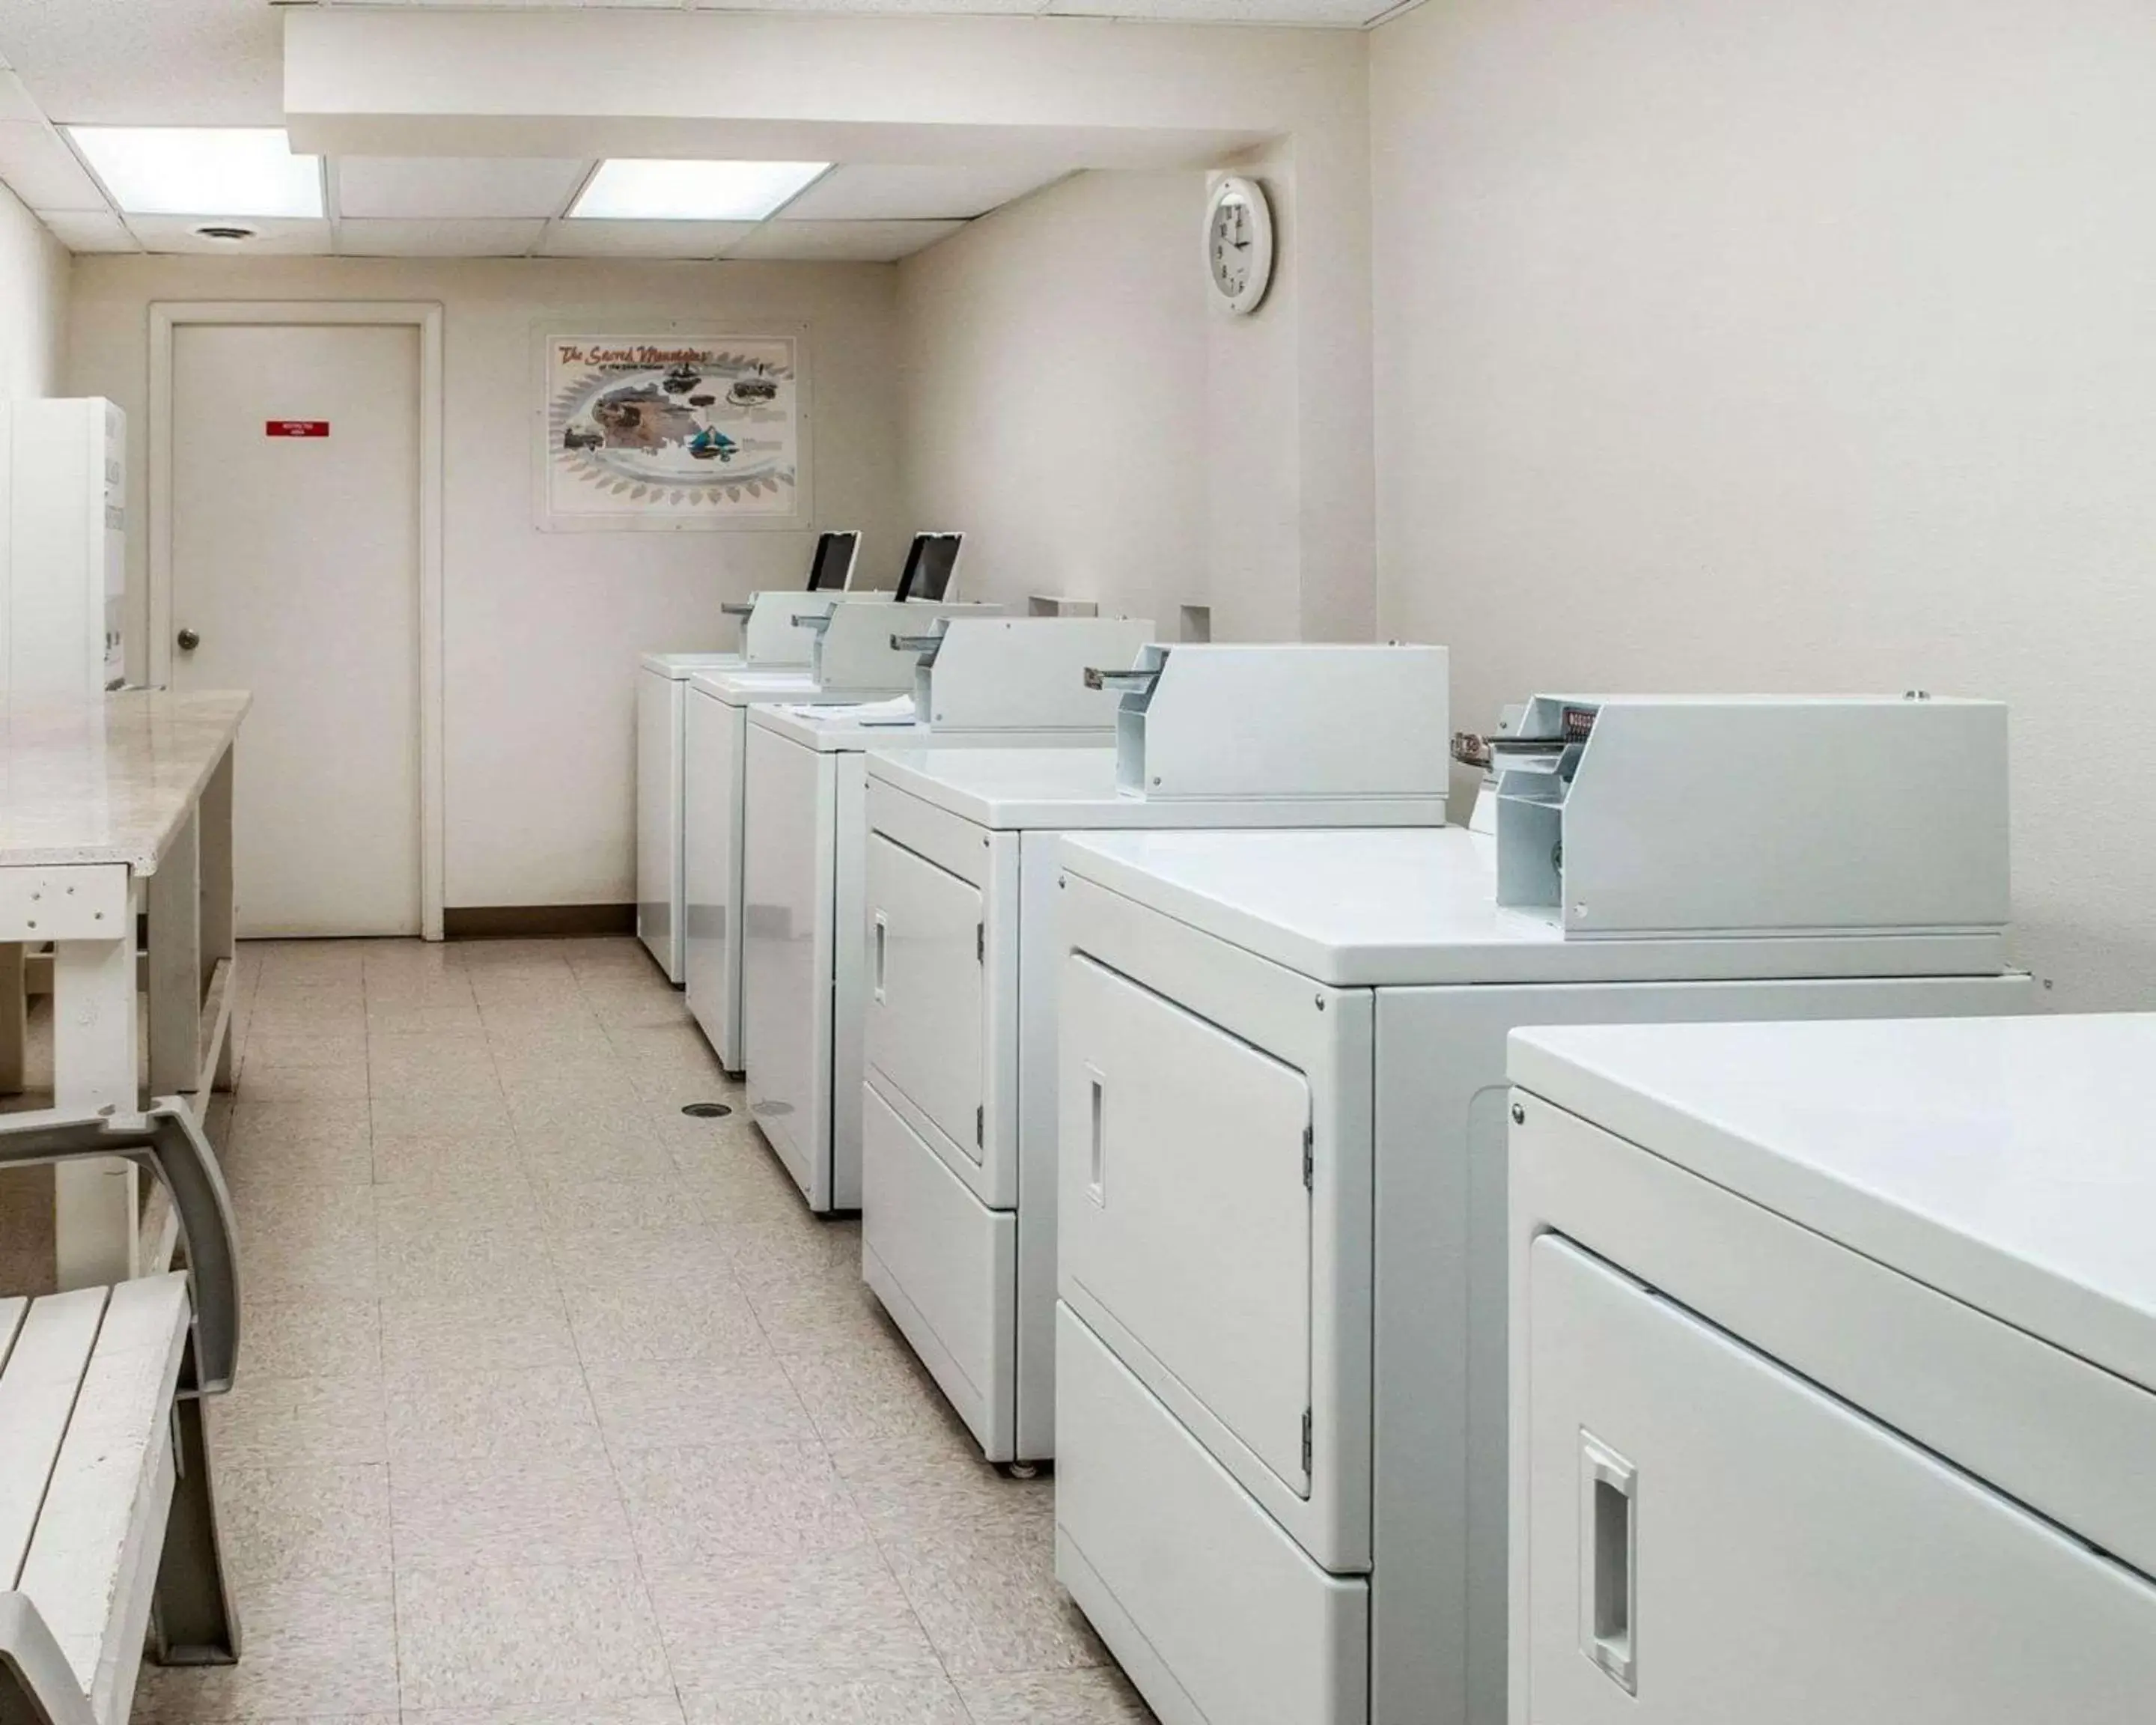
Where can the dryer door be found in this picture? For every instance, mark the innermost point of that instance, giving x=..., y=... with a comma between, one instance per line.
x=1711, y=1538
x=1184, y=1222
x=927, y=996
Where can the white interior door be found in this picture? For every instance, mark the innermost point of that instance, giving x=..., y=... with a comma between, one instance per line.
x=295, y=573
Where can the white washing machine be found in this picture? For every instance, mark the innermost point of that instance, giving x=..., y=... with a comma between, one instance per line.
x=958, y=1115
x=771, y=637
x=845, y=660
x=1280, y=1352
x=1005, y=682
x=662, y=709
x=717, y=732
x=1834, y=1373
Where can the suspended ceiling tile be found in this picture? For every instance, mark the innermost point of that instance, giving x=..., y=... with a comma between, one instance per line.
x=410, y=186
x=841, y=242
x=15, y=103
x=149, y=61
x=90, y=230
x=867, y=192
x=642, y=239
x=42, y=171
x=468, y=237
x=273, y=237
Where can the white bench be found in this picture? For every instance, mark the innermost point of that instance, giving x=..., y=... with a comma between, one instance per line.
x=108, y=1512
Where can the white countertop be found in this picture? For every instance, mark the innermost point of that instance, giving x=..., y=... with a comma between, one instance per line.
x=1404, y=908
x=107, y=780
x=2006, y=1161
x=1008, y=790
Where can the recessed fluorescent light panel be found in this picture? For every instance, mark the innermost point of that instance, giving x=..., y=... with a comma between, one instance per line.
x=202, y=171
x=651, y=191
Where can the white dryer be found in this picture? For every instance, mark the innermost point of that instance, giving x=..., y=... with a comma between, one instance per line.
x=1834, y=1373
x=958, y=1114
x=1006, y=682
x=1280, y=1351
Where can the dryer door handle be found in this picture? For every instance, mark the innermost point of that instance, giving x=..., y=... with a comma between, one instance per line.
x=1096, y=1136
x=1608, y=1561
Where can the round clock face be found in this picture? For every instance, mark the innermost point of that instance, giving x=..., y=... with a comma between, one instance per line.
x=1238, y=244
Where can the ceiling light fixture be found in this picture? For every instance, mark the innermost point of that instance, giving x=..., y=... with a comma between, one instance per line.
x=202, y=171
x=643, y=190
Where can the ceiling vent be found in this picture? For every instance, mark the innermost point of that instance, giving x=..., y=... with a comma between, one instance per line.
x=225, y=233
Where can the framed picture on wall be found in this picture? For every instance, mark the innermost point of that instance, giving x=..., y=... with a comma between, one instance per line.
x=673, y=429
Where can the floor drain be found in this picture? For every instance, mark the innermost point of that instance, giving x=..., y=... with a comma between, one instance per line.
x=707, y=1110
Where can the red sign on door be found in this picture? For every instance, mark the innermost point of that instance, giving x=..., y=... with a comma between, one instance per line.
x=296, y=428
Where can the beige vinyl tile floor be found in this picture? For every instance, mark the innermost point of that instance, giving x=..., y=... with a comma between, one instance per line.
x=556, y=1406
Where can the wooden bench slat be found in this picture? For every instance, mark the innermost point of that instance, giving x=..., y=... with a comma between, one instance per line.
x=37, y=1389
x=119, y=1656
x=93, y=1556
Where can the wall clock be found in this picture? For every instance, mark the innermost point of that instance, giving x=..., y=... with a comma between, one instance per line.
x=1239, y=244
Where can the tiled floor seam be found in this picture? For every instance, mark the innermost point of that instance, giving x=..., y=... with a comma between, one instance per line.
x=883, y=1556
x=584, y=1372
x=396, y=1600
x=382, y=1327
x=621, y=1498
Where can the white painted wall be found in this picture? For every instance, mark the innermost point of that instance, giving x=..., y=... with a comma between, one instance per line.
x=1073, y=400
x=1255, y=490
x=33, y=293
x=1054, y=401
x=1791, y=347
x=542, y=630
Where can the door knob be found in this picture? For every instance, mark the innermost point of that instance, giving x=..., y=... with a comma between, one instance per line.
x=189, y=640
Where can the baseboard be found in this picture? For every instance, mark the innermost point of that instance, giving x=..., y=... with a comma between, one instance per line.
x=502, y=922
